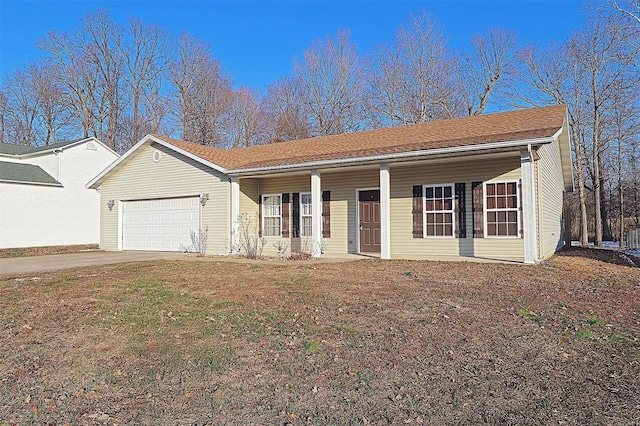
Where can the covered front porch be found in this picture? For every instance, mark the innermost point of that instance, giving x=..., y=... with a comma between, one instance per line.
x=371, y=209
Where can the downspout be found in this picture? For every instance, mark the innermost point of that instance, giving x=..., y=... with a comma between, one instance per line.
x=534, y=183
x=57, y=152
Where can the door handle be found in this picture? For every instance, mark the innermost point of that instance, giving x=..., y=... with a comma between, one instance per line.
x=361, y=226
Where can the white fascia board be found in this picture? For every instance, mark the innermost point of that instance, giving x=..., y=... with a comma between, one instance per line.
x=97, y=181
x=22, y=182
x=396, y=156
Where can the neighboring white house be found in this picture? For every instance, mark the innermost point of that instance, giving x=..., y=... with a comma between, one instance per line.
x=43, y=198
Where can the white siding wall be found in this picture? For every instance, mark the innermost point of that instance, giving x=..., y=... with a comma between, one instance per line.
x=173, y=176
x=33, y=215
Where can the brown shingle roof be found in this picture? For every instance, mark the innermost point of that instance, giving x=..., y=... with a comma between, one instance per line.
x=499, y=127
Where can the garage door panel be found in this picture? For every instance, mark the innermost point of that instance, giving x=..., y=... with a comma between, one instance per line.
x=162, y=224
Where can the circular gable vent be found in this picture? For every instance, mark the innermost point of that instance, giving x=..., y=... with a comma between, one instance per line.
x=156, y=156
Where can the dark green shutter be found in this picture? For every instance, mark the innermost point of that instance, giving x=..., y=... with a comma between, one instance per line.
x=477, y=200
x=285, y=215
x=295, y=215
x=326, y=214
x=418, y=213
x=259, y=215
x=461, y=210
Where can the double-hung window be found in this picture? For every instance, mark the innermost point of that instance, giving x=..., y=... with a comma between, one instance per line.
x=272, y=215
x=501, y=209
x=438, y=209
x=305, y=215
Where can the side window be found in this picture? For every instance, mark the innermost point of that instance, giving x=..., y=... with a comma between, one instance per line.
x=501, y=201
x=438, y=210
x=272, y=215
x=305, y=214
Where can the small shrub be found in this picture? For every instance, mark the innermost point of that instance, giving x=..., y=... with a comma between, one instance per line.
x=251, y=244
x=281, y=247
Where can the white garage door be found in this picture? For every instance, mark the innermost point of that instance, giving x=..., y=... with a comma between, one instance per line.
x=160, y=225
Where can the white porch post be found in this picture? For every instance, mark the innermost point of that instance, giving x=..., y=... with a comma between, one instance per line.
x=385, y=212
x=235, y=214
x=316, y=214
x=528, y=206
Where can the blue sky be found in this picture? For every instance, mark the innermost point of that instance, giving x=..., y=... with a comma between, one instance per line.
x=257, y=41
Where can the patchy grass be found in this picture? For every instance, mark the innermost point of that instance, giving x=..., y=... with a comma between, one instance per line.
x=304, y=343
x=42, y=251
x=531, y=315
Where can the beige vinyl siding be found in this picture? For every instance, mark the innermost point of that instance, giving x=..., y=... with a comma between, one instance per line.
x=344, y=183
x=173, y=176
x=403, y=178
x=249, y=200
x=550, y=186
x=344, y=206
x=280, y=185
x=343, y=186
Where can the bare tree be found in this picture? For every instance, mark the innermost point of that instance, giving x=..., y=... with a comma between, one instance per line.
x=245, y=121
x=202, y=91
x=412, y=81
x=489, y=64
x=76, y=75
x=284, y=107
x=593, y=66
x=4, y=111
x=53, y=107
x=625, y=110
x=555, y=82
x=604, y=66
x=22, y=107
x=330, y=78
x=145, y=56
x=104, y=50
x=628, y=8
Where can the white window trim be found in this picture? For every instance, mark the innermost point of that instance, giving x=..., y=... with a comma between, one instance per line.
x=301, y=215
x=264, y=216
x=424, y=211
x=484, y=209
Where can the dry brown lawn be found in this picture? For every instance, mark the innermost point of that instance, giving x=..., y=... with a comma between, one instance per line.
x=366, y=342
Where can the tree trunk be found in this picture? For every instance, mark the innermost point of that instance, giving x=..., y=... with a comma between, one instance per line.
x=584, y=229
x=607, y=235
x=620, y=194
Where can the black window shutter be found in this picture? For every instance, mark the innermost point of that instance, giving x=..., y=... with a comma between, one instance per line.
x=259, y=215
x=285, y=215
x=295, y=215
x=461, y=211
x=417, y=212
x=477, y=200
x=326, y=214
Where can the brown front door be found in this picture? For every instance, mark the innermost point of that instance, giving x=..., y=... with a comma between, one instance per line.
x=369, y=205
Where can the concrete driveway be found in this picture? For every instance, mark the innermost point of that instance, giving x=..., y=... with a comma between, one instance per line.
x=27, y=265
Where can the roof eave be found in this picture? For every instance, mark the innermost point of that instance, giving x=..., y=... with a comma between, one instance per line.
x=58, y=149
x=24, y=182
x=399, y=156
